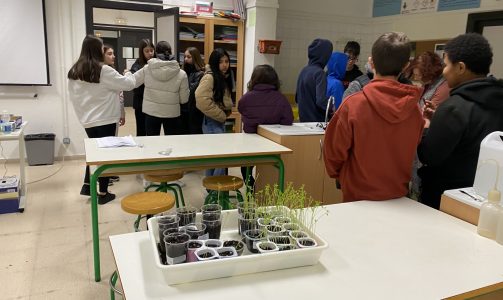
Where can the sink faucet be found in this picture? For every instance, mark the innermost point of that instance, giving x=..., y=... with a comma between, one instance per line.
x=330, y=103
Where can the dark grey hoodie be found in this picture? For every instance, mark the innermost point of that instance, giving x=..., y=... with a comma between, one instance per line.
x=312, y=83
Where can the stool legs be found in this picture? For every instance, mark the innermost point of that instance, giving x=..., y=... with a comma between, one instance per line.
x=113, y=289
x=165, y=187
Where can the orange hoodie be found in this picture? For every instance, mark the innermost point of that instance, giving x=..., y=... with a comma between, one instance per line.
x=371, y=141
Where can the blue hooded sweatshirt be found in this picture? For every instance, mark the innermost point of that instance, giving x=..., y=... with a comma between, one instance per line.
x=311, y=94
x=336, y=70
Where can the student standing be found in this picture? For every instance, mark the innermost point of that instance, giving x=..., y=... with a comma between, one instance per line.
x=371, y=141
x=450, y=146
x=94, y=91
x=263, y=104
x=192, y=117
x=146, y=52
x=213, y=97
x=428, y=70
x=352, y=50
x=336, y=69
x=166, y=88
x=311, y=93
x=109, y=59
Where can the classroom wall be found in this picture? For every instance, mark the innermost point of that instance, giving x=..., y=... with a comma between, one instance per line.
x=49, y=112
x=436, y=25
x=338, y=21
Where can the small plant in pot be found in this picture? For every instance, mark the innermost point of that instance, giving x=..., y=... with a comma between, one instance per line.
x=298, y=234
x=246, y=207
x=264, y=222
x=282, y=220
x=267, y=247
x=246, y=222
x=291, y=227
x=192, y=247
x=176, y=247
x=238, y=245
x=306, y=243
x=227, y=252
x=253, y=236
x=274, y=230
x=206, y=254
x=283, y=242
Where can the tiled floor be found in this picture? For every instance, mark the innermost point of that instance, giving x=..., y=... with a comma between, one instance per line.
x=46, y=252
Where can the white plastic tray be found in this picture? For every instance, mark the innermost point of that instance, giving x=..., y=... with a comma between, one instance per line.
x=244, y=264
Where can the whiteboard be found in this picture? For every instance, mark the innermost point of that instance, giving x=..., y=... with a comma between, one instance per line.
x=23, y=47
x=493, y=34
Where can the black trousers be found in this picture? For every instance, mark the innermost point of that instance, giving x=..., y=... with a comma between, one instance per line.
x=98, y=132
x=431, y=192
x=140, y=122
x=153, y=125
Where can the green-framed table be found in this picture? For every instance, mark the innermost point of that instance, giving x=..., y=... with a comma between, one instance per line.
x=187, y=152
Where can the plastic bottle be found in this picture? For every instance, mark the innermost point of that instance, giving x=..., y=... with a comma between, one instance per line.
x=499, y=230
x=5, y=117
x=489, y=215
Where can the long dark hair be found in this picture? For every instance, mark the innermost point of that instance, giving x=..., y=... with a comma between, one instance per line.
x=197, y=60
x=144, y=44
x=221, y=82
x=264, y=74
x=88, y=66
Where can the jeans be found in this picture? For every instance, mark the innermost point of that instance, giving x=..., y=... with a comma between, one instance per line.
x=211, y=126
x=98, y=132
x=140, y=122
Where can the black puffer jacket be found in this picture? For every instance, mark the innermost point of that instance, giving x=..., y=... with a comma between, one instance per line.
x=137, y=92
x=195, y=116
x=450, y=148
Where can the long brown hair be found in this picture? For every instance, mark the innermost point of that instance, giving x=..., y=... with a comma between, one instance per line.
x=88, y=66
x=197, y=60
x=144, y=44
x=430, y=66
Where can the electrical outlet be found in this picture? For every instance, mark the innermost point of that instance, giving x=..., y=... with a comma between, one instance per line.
x=66, y=141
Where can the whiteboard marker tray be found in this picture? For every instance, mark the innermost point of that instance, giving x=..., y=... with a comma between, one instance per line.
x=245, y=264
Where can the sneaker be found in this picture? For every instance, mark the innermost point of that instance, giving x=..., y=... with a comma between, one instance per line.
x=115, y=178
x=104, y=199
x=85, y=190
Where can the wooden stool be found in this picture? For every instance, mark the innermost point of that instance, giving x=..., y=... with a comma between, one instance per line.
x=220, y=186
x=143, y=204
x=163, y=177
x=146, y=204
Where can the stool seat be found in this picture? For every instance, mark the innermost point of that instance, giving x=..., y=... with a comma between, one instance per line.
x=163, y=176
x=147, y=203
x=223, y=183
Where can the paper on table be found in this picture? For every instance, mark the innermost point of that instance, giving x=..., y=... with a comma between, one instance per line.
x=116, y=141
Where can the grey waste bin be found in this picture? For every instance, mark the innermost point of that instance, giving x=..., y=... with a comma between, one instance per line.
x=40, y=148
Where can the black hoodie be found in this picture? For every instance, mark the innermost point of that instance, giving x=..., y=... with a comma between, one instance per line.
x=450, y=148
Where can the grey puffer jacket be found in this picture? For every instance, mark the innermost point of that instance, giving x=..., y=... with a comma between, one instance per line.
x=166, y=87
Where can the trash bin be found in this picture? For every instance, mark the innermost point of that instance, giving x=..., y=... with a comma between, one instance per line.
x=40, y=148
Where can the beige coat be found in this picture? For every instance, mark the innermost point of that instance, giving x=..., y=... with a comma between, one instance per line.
x=205, y=103
x=166, y=87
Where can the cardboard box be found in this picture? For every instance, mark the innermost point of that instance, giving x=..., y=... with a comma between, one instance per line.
x=461, y=206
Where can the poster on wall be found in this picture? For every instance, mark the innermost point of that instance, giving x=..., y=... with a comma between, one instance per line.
x=386, y=8
x=418, y=6
x=446, y=5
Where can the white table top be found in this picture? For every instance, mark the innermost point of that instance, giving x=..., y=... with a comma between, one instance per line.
x=308, y=128
x=397, y=249
x=184, y=147
x=14, y=135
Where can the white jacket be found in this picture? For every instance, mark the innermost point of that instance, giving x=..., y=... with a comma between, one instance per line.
x=98, y=104
x=166, y=87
